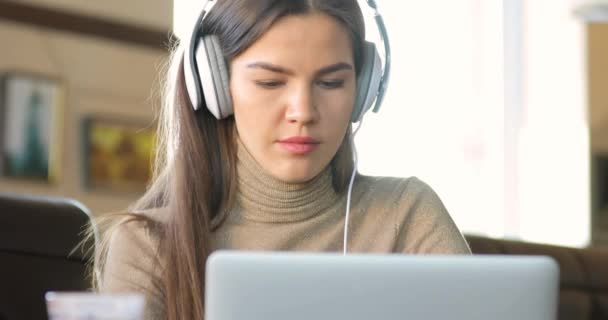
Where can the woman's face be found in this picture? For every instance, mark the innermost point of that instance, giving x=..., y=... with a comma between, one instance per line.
x=293, y=92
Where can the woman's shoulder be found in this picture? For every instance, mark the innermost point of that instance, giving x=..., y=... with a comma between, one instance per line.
x=129, y=260
x=156, y=215
x=136, y=231
x=395, y=188
x=421, y=221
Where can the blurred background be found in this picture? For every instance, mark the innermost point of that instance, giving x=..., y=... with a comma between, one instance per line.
x=501, y=106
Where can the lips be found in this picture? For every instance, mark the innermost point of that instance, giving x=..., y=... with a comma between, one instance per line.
x=299, y=145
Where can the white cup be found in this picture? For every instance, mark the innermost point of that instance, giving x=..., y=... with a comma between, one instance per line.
x=94, y=306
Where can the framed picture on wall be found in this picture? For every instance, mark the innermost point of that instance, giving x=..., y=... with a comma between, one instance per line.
x=30, y=126
x=118, y=154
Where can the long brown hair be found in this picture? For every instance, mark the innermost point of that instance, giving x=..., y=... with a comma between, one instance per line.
x=195, y=165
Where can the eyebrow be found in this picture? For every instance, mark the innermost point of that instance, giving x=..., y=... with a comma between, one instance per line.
x=323, y=71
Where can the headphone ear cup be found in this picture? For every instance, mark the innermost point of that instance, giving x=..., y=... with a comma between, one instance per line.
x=220, y=78
x=214, y=77
x=210, y=83
x=368, y=81
x=192, y=78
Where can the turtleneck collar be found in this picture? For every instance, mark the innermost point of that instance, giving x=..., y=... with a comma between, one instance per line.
x=264, y=198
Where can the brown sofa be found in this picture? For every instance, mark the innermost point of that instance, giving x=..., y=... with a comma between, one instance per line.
x=583, y=274
x=37, y=235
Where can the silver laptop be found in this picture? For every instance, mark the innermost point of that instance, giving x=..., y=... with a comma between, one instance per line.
x=319, y=286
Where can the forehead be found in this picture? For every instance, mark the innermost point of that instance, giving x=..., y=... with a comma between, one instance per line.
x=306, y=40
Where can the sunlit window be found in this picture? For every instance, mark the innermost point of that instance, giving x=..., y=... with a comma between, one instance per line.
x=486, y=105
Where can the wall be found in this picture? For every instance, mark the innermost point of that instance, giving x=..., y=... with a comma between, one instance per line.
x=597, y=39
x=101, y=77
x=598, y=86
x=150, y=13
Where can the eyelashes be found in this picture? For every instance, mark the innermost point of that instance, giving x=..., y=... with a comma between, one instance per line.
x=331, y=84
x=325, y=84
x=269, y=84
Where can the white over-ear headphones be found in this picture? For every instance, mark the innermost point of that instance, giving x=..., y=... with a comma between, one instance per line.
x=207, y=78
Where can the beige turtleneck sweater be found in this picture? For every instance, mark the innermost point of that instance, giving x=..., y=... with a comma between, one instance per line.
x=388, y=215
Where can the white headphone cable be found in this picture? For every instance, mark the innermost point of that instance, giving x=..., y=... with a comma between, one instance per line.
x=350, y=187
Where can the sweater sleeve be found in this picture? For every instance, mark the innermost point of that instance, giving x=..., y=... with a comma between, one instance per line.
x=131, y=265
x=423, y=224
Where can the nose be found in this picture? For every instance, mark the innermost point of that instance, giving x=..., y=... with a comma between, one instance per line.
x=301, y=106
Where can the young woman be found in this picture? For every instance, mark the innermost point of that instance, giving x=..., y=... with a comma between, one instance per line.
x=275, y=175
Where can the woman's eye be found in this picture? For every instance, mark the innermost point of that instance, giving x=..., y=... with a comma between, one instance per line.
x=269, y=84
x=331, y=84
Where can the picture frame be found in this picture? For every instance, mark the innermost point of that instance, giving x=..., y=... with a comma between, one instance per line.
x=117, y=154
x=31, y=114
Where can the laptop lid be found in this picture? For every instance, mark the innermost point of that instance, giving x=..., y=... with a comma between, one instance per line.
x=305, y=286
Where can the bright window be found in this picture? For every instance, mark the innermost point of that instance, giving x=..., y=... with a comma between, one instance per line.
x=486, y=105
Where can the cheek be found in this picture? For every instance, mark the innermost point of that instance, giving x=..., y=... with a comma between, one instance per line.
x=249, y=104
x=244, y=106
x=337, y=107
